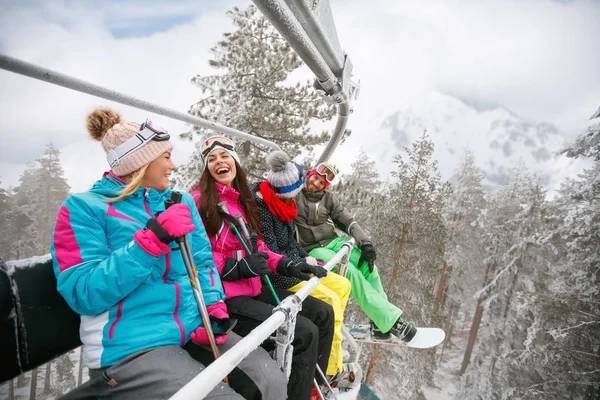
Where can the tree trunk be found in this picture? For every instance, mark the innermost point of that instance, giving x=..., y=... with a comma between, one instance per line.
x=441, y=291
x=21, y=380
x=449, y=328
x=47, y=377
x=80, y=374
x=371, y=365
x=11, y=389
x=472, y=337
x=474, y=327
x=33, y=388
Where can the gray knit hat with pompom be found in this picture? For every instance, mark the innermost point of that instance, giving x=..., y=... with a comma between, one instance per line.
x=285, y=178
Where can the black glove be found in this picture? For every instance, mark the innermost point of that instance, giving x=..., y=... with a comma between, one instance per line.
x=300, y=269
x=367, y=254
x=248, y=267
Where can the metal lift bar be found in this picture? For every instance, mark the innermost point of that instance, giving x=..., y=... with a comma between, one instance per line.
x=33, y=71
x=282, y=18
x=205, y=381
x=317, y=21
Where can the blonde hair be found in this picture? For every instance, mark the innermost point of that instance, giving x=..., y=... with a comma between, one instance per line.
x=133, y=186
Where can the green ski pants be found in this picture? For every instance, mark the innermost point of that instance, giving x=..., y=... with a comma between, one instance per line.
x=366, y=286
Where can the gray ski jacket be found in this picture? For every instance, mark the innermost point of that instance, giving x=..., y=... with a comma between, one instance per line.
x=318, y=214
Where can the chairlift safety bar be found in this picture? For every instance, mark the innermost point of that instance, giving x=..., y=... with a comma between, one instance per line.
x=205, y=381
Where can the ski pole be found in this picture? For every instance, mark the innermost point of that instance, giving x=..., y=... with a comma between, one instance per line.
x=188, y=260
x=253, y=238
x=222, y=207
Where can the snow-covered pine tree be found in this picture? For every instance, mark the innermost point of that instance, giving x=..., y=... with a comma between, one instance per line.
x=464, y=266
x=252, y=93
x=359, y=189
x=21, y=217
x=52, y=190
x=65, y=374
x=571, y=305
x=411, y=241
x=34, y=205
x=509, y=354
x=5, y=240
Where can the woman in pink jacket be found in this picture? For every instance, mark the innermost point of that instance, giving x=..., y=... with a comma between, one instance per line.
x=223, y=180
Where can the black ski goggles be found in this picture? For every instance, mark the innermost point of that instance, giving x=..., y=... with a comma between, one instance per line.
x=148, y=132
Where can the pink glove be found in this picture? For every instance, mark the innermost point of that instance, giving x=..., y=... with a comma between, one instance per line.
x=219, y=311
x=176, y=221
x=199, y=336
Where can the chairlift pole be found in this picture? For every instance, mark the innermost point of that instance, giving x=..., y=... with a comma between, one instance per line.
x=33, y=71
x=283, y=19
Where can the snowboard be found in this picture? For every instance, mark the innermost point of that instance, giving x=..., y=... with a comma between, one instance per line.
x=424, y=338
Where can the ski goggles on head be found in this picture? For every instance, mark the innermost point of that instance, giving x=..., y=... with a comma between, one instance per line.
x=214, y=141
x=148, y=132
x=326, y=170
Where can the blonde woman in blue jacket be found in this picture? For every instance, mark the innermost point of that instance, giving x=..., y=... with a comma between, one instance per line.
x=117, y=266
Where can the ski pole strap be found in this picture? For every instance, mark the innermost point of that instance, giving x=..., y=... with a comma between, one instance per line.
x=159, y=231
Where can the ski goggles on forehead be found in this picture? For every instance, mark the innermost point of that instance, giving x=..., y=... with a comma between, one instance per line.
x=148, y=132
x=214, y=141
x=326, y=172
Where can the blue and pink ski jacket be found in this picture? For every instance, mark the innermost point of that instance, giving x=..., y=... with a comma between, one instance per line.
x=128, y=300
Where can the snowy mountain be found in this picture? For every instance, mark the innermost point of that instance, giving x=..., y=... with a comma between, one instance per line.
x=498, y=137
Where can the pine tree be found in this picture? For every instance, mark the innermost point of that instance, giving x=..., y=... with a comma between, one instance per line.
x=412, y=235
x=510, y=354
x=5, y=242
x=65, y=379
x=34, y=205
x=360, y=189
x=52, y=190
x=464, y=267
x=22, y=216
x=251, y=93
x=571, y=306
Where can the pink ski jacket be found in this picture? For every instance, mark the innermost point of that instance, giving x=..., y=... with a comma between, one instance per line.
x=225, y=244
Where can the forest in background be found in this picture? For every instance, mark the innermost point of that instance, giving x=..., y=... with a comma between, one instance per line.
x=519, y=269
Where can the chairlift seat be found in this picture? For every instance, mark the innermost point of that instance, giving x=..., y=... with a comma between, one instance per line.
x=36, y=324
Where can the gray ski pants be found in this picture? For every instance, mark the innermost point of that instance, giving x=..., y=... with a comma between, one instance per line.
x=159, y=372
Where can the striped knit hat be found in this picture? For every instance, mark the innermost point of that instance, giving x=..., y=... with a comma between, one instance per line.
x=284, y=177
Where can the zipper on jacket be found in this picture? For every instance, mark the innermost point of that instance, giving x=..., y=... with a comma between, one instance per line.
x=164, y=277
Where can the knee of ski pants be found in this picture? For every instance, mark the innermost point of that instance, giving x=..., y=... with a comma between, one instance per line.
x=306, y=336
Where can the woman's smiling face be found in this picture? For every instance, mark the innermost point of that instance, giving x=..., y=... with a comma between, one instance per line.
x=221, y=166
x=158, y=172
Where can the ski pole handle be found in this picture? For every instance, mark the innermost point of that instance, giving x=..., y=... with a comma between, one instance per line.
x=175, y=199
x=243, y=226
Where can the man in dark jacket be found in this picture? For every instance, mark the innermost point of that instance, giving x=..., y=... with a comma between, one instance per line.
x=319, y=211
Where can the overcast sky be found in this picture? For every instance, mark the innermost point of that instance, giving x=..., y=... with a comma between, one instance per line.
x=536, y=58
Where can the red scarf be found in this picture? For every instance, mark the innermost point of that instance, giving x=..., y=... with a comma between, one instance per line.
x=279, y=208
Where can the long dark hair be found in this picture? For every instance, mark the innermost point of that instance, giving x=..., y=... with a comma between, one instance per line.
x=209, y=198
